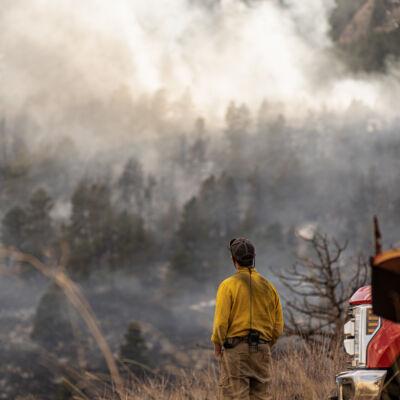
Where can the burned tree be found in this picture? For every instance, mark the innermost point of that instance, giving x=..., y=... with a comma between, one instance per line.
x=320, y=287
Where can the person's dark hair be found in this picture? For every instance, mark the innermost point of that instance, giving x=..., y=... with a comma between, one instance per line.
x=242, y=251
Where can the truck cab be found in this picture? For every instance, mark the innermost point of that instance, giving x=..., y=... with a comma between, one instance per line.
x=374, y=346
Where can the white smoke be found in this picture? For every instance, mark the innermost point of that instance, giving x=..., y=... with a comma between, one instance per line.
x=101, y=66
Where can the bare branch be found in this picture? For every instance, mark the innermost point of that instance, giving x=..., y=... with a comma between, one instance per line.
x=320, y=288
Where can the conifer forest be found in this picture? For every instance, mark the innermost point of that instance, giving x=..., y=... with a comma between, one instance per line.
x=137, y=140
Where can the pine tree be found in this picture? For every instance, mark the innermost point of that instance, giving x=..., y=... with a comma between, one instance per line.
x=208, y=221
x=197, y=151
x=131, y=184
x=14, y=228
x=132, y=245
x=90, y=232
x=227, y=205
x=238, y=121
x=183, y=260
x=51, y=325
x=147, y=208
x=40, y=230
x=134, y=348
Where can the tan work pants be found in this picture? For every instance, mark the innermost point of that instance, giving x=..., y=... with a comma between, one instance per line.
x=245, y=375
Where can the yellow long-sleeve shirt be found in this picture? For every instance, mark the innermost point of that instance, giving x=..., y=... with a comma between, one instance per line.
x=232, y=309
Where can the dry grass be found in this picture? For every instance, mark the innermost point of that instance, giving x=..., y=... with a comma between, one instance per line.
x=305, y=373
x=299, y=372
x=189, y=385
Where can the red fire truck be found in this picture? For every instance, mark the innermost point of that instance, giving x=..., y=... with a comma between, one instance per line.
x=372, y=341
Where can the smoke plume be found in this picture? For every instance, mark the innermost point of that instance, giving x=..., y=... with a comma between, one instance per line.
x=98, y=69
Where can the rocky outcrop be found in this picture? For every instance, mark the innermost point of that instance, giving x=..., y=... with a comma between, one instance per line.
x=360, y=24
x=373, y=17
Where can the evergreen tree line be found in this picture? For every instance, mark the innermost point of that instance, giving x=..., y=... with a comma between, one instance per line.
x=97, y=234
x=263, y=178
x=102, y=234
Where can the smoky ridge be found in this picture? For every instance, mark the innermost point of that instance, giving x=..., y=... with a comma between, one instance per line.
x=146, y=178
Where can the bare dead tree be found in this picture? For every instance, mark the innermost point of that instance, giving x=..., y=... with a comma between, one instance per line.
x=320, y=287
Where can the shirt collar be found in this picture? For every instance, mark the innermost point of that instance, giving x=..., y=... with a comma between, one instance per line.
x=245, y=269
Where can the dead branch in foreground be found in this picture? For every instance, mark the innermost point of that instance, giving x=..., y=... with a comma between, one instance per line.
x=77, y=299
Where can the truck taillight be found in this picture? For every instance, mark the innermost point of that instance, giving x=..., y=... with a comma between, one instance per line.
x=372, y=322
x=358, y=332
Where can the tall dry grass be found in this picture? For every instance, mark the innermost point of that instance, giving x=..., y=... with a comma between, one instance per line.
x=305, y=372
x=298, y=371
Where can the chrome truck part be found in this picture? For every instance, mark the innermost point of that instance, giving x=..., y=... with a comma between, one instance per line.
x=360, y=384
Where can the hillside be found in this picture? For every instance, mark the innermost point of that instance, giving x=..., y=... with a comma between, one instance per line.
x=374, y=16
x=367, y=32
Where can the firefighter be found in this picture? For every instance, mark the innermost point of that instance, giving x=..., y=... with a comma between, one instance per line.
x=247, y=322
